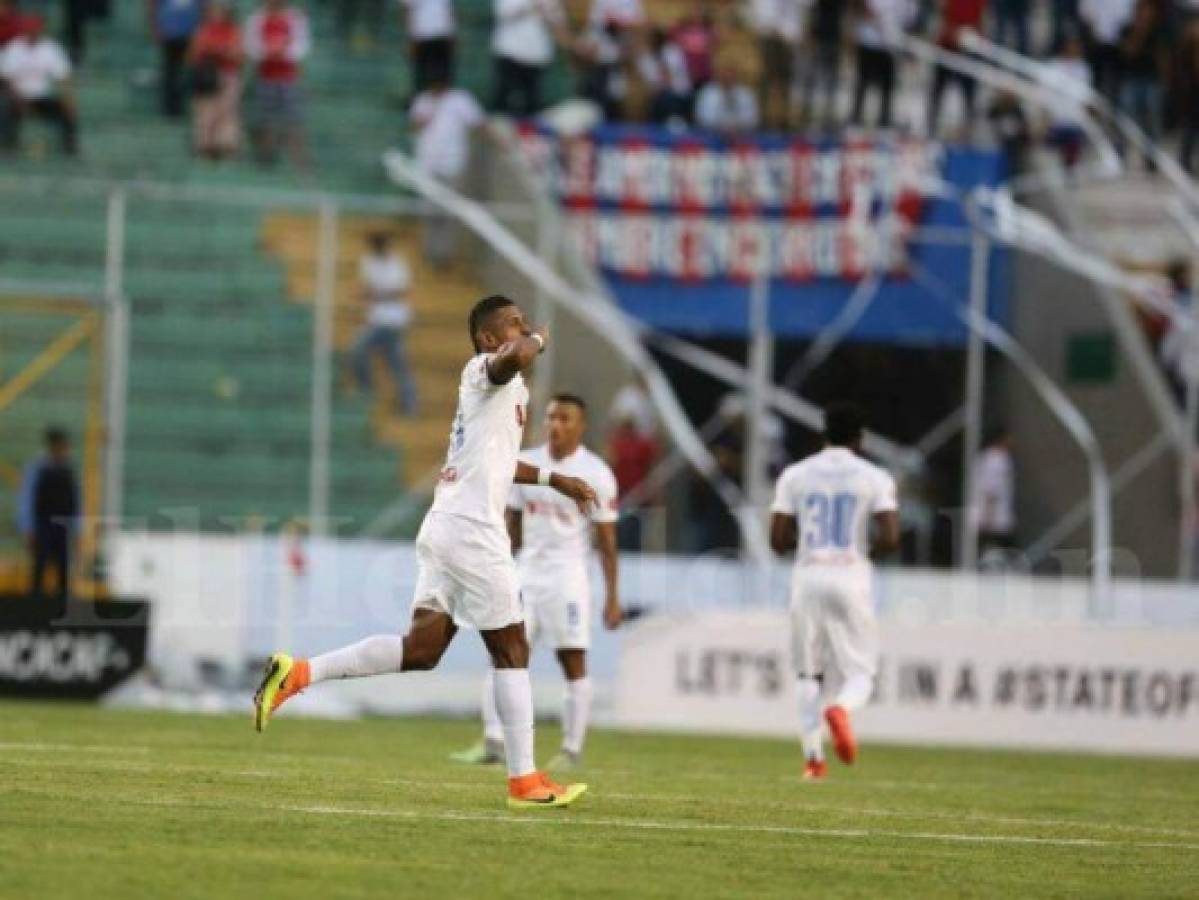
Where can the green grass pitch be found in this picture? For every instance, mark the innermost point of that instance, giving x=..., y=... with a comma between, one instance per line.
x=99, y=803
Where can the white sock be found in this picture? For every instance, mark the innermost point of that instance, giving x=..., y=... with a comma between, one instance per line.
x=855, y=693
x=493, y=728
x=811, y=708
x=576, y=710
x=514, y=703
x=374, y=656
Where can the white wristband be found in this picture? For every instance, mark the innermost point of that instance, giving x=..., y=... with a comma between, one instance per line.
x=540, y=341
x=544, y=476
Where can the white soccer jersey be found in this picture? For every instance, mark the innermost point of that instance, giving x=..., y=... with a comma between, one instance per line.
x=484, y=446
x=833, y=496
x=554, y=531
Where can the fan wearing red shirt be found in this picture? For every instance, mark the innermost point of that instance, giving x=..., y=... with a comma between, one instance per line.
x=632, y=455
x=10, y=21
x=277, y=40
x=956, y=16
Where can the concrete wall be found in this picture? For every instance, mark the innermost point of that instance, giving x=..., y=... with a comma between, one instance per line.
x=1048, y=306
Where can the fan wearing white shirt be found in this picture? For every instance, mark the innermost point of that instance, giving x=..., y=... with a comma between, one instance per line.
x=837, y=511
x=523, y=45
x=466, y=575
x=727, y=105
x=1103, y=20
x=554, y=539
x=444, y=118
x=385, y=283
x=994, y=501
x=881, y=24
x=663, y=68
x=779, y=25
x=36, y=74
x=432, y=29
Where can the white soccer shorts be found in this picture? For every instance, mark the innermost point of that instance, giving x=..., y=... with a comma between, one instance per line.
x=466, y=570
x=833, y=628
x=557, y=607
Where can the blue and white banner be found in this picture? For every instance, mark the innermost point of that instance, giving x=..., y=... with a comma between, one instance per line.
x=656, y=210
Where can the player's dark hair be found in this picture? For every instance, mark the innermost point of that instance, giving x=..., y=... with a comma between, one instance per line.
x=843, y=424
x=481, y=312
x=55, y=436
x=567, y=397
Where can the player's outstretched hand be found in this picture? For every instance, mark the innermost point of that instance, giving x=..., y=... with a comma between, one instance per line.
x=577, y=490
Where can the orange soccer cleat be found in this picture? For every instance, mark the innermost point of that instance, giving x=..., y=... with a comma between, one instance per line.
x=537, y=790
x=815, y=770
x=283, y=679
x=843, y=742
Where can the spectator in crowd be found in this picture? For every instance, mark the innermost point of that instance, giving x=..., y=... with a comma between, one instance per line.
x=432, y=30
x=727, y=105
x=172, y=24
x=75, y=16
x=621, y=13
x=359, y=21
x=1144, y=63
x=957, y=16
x=11, y=24
x=994, y=500
x=277, y=40
x=48, y=511
x=604, y=52
x=1103, y=20
x=779, y=27
x=1065, y=21
x=10, y=21
x=37, y=78
x=664, y=71
x=695, y=35
x=1069, y=75
x=1178, y=348
x=822, y=66
x=599, y=53
x=880, y=26
x=215, y=58
x=444, y=118
x=385, y=281
x=1011, y=24
x=632, y=404
x=1012, y=130
x=1188, y=96
x=632, y=454
x=523, y=45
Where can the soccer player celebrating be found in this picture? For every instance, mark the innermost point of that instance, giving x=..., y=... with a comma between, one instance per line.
x=466, y=572
x=826, y=508
x=554, y=539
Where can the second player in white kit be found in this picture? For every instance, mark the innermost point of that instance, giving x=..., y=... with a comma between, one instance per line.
x=554, y=541
x=837, y=511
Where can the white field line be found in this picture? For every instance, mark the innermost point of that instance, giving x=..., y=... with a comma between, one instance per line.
x=685, y=775
x=976, y=818
x=567, y=820
x=40, y=747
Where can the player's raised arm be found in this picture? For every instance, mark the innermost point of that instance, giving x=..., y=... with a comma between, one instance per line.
x=516, y=356
x=576, y=489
